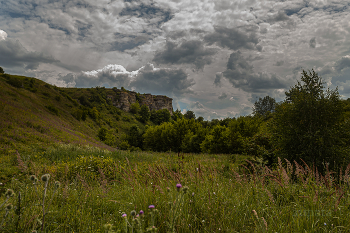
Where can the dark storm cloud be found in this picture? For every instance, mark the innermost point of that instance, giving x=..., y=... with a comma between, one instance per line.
x=241, y=75
x=188, y=52
x=148, y=12
x=343, y=63
x=233, y=38
x=166, y=81
x=312, y=43
x=124, y=42
x=13, y=54
x=217, y=81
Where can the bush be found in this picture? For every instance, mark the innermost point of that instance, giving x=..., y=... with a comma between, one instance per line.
x=52, y=109
x=135, y=108
x=1, y=70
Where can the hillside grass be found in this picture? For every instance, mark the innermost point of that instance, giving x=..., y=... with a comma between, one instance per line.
x=225, y=193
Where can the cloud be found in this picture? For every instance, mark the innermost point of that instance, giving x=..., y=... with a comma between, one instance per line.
x=223, y=96
x=233, y=38
x=280, y=16
x=343, y=63
x=124, y=42
x=241, y=75
x=3, y=35
x=166, y=81
x=188, y=52
x=217, y=81
x=312, y=43
x=148, y=12
x=279, y=63
x=13, y=54
x=146, y=79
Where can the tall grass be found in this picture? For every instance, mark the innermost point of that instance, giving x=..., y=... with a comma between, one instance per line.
x=221, y=196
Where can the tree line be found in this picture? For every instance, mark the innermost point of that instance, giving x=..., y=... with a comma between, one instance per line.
x=310, y=125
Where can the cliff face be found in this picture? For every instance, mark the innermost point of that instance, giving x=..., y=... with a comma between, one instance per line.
x=123, y=99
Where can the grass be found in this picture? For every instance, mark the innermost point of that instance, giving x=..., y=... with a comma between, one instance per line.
x=224, y=194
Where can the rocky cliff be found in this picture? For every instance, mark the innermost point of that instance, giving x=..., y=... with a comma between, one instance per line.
x=123, y=99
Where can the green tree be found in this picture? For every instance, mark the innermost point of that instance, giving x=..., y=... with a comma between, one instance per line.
x=135, y=108
x=160, y=116
x=190, y=115
x=102, y=134
x=134, y=136
x=144, y=113
x=307, y=125
x=1, y=70
x=177, y=115
x=264, y=106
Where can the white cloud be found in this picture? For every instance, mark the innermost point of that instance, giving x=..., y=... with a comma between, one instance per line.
x=3, y=35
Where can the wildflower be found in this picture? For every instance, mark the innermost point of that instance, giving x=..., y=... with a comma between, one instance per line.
x=168, y=189
x=133, y=213
x=325, y=224
x=33, y=178
x=151, y=207
x=45, y=177
x=178, y=186
x=141, y=212
x=123, y=215
x=192, y=194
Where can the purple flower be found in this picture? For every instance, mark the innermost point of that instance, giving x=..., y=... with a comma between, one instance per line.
x=141, y=212
x=151, y=206
x=178, y=186
x=124, y=215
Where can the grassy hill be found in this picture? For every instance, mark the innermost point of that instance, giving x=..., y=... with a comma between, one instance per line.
x=35, y=115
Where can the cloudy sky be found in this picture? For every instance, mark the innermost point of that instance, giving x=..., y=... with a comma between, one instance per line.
x=214, y=57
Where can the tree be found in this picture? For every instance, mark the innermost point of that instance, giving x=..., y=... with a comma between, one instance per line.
x=144, y=113
x=135, y=108
x=177, y=115
x=190, y=115
x=1, y=70
x=307, y=124
x=264, y=106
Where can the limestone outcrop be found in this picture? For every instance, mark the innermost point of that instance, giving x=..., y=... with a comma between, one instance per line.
x=123, y=99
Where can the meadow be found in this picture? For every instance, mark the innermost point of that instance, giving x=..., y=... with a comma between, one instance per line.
x=95, y=190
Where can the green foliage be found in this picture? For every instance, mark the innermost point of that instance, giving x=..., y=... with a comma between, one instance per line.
x=307, y=124
x=102, y=134
x=134, y=137
x=190, y=115
x=1, y=70
x=84, y=101
x=94, y=113
x=14, y=81
x=145, y=113
x=53, y=109
x=264, y=106
x=160, y=116
x=135, y=108
x=177, y=115
x=124, y=145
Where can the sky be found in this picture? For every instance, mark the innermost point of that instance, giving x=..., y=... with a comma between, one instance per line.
x=215, y=58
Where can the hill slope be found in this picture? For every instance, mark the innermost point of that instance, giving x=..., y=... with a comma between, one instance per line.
x=34, y=114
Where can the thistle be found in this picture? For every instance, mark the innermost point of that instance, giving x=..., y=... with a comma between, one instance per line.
x=7, y=208
x=9, y=193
